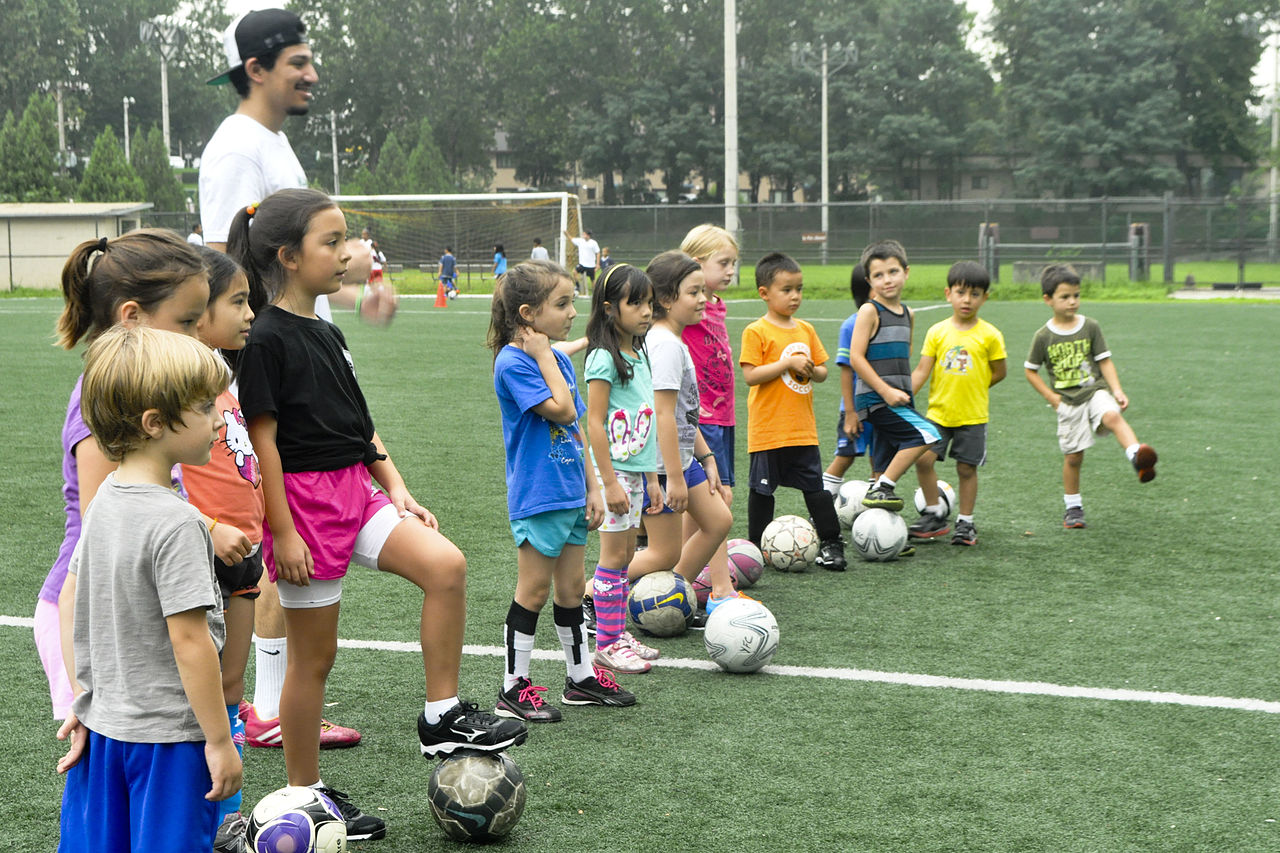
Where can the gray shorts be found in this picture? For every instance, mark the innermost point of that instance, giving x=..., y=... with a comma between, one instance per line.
x=1079, y=425
x=968, y=443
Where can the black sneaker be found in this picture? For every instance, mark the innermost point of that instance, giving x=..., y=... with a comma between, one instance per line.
x=928, y=526
x=1073, y=518
x=908, y=550
x=831, y=557
x=882, y=497
x=966, y=533
x=598, y=689
x=589, y=615
x=524, y=702
x=465, y=726
x=230, y=837
x=360, y=826
x=699, y=620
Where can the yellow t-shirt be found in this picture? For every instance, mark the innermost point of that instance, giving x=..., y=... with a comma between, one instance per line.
x=960, y=384
x=780, y=412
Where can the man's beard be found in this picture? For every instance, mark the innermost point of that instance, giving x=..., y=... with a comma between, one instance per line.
x=298, y=111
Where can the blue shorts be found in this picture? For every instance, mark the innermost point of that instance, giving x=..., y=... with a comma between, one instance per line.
x=798, y=467
x=898, y=428
x=853, y=447
x=548, y=532
x=694, y=475
x=721, y=441
x=138, y=796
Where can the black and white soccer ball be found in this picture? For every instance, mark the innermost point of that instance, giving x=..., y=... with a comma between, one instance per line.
x=476, y=796
x=741, y=635
x=789, y=543
x=878, y=535
x=849, y=501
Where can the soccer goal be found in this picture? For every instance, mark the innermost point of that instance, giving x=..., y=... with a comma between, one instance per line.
x=414, y=230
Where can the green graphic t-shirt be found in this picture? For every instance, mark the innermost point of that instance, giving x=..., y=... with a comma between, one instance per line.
x=1071, y=358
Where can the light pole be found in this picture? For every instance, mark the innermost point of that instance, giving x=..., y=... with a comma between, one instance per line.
x=333, y=135
x=1275, y=141
x=127, y=101
x=731, y=222
x=167, y=38
x=833, y=58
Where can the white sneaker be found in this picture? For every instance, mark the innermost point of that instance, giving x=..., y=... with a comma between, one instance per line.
x=642, y=651
x=619, y=657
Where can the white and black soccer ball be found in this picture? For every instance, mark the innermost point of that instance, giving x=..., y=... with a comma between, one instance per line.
x=849, y=501
x=476, y=796
x=878, y=535
x=662, y=604
x=296, y=819
x=789, y=543
x=741, y=635
x=945, y=492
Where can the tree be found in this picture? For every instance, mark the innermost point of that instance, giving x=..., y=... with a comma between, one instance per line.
x=427, y=170
x=1086, y=94
x=151, y=164
x=391, y=175
x=38, y=39
x=108, y=177
x=28, y=153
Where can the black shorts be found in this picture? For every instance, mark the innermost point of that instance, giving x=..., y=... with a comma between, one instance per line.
x=797, y=467
x=239, y=579
x=590, y=271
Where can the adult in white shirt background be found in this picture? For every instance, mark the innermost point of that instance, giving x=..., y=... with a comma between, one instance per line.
x=588, y=254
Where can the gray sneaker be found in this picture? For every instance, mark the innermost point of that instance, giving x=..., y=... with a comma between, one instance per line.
x=1073, y=519
x=966, y=534
x=928, y=526
x=230, y=837
x=882, y=497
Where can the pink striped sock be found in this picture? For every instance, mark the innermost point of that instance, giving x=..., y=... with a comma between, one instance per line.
x=609, y=589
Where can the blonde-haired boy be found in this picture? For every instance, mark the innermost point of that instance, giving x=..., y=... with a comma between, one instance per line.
x=142, y=622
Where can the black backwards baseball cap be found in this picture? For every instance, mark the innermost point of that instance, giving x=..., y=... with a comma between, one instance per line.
x=257, y=34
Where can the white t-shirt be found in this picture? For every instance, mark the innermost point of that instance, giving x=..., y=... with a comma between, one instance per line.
x=195, y=239
x=672, y=369
x=588, y=248
x=539, y=253
x=244, y=162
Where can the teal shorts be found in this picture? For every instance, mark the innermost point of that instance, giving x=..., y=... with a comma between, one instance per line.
x=548, y=532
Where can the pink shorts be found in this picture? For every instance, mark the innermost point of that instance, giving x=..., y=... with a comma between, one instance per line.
x=329, y=509
x=49, y=645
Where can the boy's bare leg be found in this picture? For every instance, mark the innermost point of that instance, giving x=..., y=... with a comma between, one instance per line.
x=967, y=488
x=927, y=477
x=1120, y=428
x=1071, y=472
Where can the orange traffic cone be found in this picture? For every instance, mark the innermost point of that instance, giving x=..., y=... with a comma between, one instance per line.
x=441, y=302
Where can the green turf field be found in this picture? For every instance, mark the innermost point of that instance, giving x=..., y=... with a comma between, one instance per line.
x=1169, y=593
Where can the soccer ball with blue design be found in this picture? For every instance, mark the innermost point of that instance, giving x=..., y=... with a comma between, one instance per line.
x=296, y=819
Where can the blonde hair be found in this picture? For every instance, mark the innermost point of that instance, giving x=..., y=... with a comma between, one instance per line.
x=130, y=369
x=704, y=240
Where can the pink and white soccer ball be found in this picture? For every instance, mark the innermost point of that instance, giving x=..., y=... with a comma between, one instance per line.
x=746, y=562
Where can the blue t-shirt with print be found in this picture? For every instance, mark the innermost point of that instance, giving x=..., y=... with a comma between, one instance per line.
x=544, y=459
x=633, y=446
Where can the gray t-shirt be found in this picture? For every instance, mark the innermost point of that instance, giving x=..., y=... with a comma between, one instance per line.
x=1071, y=358
x=673, y=370
x=144, y=555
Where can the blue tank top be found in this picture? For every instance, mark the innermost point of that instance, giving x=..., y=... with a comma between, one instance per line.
x=889, y=352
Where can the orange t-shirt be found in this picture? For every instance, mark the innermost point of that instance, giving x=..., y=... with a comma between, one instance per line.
x=229, y=488
x=780, y=411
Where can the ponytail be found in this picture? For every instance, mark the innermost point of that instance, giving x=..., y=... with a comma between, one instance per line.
x=259, y=231
x=527, y=283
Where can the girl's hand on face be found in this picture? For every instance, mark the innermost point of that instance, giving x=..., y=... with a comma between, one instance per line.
x=533, y=342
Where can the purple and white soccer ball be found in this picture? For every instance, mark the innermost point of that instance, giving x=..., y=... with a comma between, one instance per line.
x=296, y=819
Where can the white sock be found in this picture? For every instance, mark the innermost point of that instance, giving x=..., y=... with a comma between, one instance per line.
x=1073, y=500
x=316, y=785
x=577, y=657
x=968, y=518
x=937, y=509
x=885, y=481
x=1132, y=451
x=271, y=654
x=832, y=483
x=521, y=648
x=433, y=711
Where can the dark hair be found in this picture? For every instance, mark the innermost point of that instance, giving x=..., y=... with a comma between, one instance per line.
x=666, y=271
x=969, y=273
x=221, y=269
x=1056, y=274
x=537, y=241
x=259, y=231
x=620, y=283
x=240, y=79
x=859, y=287
x=771, y=264
x=883, y=250
x=144, y=266
x=527, y=283
x=498, y=250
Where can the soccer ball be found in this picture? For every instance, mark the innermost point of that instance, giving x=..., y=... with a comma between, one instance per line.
x=662, y=604
x=878, y=535
x=746, y=561
x=849, y=500
x=945, y=492
x=476, y=796
x=789, y=543
x=296, y=820
x=702, y=584
x=741, y=635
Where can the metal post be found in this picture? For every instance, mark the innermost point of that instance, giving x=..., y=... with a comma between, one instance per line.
x=1104, y=240
x=333, y=135
x=127, y=101
x=1275, y=142
x=802, y=56
x=1168, y=237
x=731, y=222
x=826, y=221
x=164, y=103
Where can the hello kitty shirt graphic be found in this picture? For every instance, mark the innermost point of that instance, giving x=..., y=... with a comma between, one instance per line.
x=789, y=377
x=236, y=438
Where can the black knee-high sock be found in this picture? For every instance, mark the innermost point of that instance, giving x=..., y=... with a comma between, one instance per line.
x=823, y=510
x=573, y=639
x=759, y=514
x=518, y=632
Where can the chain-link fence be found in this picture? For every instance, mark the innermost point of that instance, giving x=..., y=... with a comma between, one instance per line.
x=1150, y=237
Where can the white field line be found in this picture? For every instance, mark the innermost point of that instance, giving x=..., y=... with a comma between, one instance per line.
x=906, y=679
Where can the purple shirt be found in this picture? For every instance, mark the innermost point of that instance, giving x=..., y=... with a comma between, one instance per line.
x=74, y=431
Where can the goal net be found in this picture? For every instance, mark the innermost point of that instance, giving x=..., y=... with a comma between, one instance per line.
x=414, y=230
